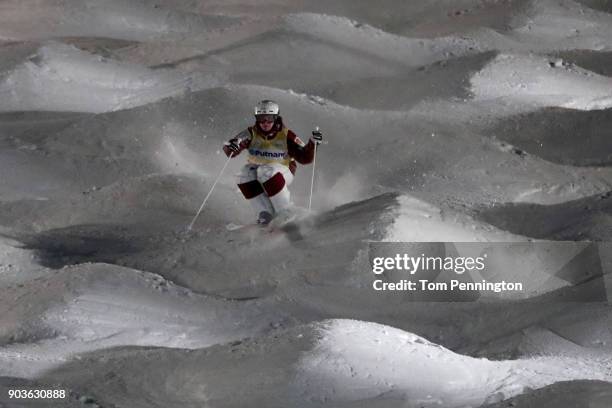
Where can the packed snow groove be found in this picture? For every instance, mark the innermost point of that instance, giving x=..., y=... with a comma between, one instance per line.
x=476, y=122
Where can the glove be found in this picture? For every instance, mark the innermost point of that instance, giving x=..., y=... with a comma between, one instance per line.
x=233, y=148
x=317, y=136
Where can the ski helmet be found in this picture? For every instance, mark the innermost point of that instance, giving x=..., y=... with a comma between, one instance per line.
x=267, y=107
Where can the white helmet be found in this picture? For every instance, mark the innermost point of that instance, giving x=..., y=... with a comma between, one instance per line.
x=267, y=107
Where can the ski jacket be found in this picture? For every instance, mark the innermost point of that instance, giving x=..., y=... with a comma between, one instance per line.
x=282, y=146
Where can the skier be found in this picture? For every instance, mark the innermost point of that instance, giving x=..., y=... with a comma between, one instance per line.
x=273, y=154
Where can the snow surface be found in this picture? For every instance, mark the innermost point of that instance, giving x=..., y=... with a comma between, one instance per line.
x=63, y=78
x=471, y=121
x=533, y=81
x=318, y=364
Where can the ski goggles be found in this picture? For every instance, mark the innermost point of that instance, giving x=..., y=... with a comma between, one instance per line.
x=265, y=118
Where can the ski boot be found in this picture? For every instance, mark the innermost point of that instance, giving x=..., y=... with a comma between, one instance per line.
x=264, y=218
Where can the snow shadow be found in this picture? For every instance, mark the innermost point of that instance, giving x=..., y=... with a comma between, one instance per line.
x=60, y=247
x=440, y=80
x=27, y=130
x=600, y=5
x=114, y=376
x=564, y=136
x=599, y=62
x=589, y=218
x=579, y=393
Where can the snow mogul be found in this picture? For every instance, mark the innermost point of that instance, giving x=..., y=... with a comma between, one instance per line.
x=273, y=153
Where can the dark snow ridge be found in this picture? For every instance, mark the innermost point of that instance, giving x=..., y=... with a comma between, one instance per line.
x=444, y=121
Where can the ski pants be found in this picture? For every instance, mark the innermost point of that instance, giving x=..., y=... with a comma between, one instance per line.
x=265, y=186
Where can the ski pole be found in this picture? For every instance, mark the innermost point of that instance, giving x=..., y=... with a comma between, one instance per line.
x=314, y=163
x=210, y=192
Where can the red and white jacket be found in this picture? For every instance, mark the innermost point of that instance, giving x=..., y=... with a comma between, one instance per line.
x=280, y=146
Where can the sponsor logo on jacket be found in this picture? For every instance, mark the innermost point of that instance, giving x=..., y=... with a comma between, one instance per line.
x=267, y=154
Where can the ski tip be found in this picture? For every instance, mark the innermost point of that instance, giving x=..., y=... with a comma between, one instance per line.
x=233, y=227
